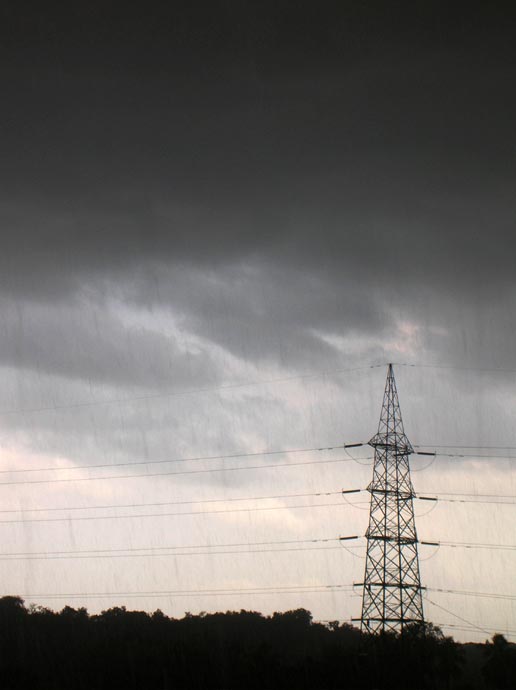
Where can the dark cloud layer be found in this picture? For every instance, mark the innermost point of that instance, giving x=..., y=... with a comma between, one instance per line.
x=270, y=176
x=325, y=137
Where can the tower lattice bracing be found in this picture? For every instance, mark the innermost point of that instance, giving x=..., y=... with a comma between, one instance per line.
x=392, y=585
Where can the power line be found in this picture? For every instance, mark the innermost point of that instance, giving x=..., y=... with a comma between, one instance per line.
x=454, y=544
x=468, y=593
x=453, y=493
x=169, y=474
x=482, y=501
x=437, y=496
x=489, y=499
x=470, y=545
x=474, y=455
x=158, y=550
x=179, y=550
x=451, y=366
x=439, y=453
x=169, y=503
x=166, y=548
x=186, y=553
x=294, y=589
x=152, y=515
x=83, y=518
x=433, y=445
x=231, y=386
x=463, y=620
x=49, y=509
x=464, y=628
x=230, y=456
x=191, y=391
x=439, y=625
x=356, y=504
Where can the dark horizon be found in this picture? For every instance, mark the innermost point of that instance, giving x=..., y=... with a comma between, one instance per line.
x=235, y=649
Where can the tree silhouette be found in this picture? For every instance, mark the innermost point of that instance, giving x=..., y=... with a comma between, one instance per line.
x=235, y=650
x=500, y=667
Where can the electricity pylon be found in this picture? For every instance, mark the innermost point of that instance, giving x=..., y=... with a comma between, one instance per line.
x=392, y=585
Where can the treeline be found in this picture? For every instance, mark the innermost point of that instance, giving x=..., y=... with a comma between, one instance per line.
x=120, y=649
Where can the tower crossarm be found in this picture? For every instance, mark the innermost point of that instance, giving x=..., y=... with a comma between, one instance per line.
x=396, y=585
x=393, y=540
x=405, y=495
x=396, y=443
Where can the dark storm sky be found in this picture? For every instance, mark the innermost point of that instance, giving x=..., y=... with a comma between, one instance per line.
x=376, y=138
x=200, y=193
x=350, y=152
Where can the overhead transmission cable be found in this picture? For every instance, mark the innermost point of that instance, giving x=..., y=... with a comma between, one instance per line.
x=230, y=386
x=168, y=503
x=170, y=474
x=455, y=368
x=433, y=445
x=455, y=615
x=87, y=518
x=178, y=554
x=227, y=456
x=191, y=391
x=500, y=499
x=469, y=593
x=168, y=548
x=177, y=550
x=294, y=589
x=285, y=589
x=159, y=504
x=454, y=544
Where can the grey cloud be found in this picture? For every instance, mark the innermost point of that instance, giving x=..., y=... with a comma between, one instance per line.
x=382, y=226
x=265, y=313
x=271, y=194
x=386, y=158
x=89, y=341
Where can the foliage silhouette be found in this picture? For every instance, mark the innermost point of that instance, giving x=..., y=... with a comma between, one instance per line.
x=117, y=648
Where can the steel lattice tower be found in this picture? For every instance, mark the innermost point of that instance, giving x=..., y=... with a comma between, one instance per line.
x=392, y=585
